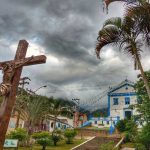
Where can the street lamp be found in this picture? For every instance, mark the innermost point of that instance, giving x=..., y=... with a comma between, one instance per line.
x=44, y=86
x=34, y=92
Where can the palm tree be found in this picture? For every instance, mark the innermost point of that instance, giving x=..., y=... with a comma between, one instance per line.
x=141, y=15
x=128, y=2
x=37, y=110
x=58, y=108
x=139, y=11
x=125, y=34
x=20, y=105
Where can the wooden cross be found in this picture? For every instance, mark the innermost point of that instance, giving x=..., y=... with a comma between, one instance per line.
x=11, y=75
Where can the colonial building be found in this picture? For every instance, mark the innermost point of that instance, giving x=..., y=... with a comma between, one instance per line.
x=43, y=125
x=120, y=98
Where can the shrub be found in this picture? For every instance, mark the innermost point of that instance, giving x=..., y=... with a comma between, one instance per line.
x=121, y=125
x=19, y=133
x=139, y=146
x=107, y=146
x=144, y=136
x=70, y=134
x=131, y=129
x=43, y=134
x=44, y=142
x=56, y=136
x=42, y=138
x=127, y=136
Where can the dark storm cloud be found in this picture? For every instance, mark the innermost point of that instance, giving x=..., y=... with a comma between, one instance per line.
x=67, y=31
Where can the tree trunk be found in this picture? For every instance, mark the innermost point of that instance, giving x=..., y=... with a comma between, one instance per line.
x=44, y=147
x=17, y=122
x=55, y=122
x=145, y=80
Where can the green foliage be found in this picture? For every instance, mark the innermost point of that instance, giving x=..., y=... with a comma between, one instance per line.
x=33, y=108
x=139, y=146
x=100, y=113
x=129, y=127
x=44, y=142
x=143, y=99
x=19, y=133
x=42, y=138
x=70, y=134
x=56, y=136
x=121, y=125
x=144, y=136
x=107, y=146
x=40, y=135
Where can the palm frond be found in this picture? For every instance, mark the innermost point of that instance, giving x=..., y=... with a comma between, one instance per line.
x=108, y=35
x=116, y=21
x=141, y=16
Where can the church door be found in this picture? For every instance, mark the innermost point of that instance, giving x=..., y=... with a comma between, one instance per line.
x=128, y=114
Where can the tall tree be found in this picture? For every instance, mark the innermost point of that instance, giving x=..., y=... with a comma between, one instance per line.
x=59, y=108
x=124, y=33
x=143, y=104
x=37, y=109
x=21, y=105
x=140, y=13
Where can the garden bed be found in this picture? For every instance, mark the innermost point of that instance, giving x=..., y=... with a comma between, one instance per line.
x=61, y=146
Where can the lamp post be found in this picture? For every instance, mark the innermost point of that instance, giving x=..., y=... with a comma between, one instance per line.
x=44, y=86
x=34, y=92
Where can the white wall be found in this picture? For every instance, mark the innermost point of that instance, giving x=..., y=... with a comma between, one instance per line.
x=118, y=110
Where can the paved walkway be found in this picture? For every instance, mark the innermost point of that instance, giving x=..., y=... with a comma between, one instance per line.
x=94, y=143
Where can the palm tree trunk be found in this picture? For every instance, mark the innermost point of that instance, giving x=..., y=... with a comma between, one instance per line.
x=145, y=80
x=17, y=122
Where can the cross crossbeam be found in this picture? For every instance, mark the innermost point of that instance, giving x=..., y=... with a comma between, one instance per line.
x=34, y=61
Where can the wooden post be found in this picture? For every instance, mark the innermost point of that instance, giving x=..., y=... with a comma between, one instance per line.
x=10, y=97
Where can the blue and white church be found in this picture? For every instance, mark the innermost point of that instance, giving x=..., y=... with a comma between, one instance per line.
x=119, y=99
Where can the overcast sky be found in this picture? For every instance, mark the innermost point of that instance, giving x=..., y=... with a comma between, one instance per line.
x=65, y=31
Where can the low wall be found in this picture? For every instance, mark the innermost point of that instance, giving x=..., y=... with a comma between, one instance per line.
x=98, y=133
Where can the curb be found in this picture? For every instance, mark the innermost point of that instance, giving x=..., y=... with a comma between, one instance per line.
x=83, y=143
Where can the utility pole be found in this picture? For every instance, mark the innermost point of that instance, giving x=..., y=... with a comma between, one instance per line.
x=76, y=113
x=77, y=102
x=23, y=81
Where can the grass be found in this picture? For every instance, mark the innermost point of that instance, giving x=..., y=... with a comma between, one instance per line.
x=130, y=145
x=60, y=146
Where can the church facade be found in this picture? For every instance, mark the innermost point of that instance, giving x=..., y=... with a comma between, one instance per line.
x=119, y=98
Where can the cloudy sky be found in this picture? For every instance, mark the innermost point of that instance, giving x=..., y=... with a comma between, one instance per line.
x=65, y=31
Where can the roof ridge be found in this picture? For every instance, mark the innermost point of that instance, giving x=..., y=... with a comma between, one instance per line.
x=126, y=81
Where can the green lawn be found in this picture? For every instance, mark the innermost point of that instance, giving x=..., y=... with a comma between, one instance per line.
x=60, y=146
x=130, y=145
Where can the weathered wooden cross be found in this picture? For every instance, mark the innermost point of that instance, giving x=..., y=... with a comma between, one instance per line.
x=8, y=88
